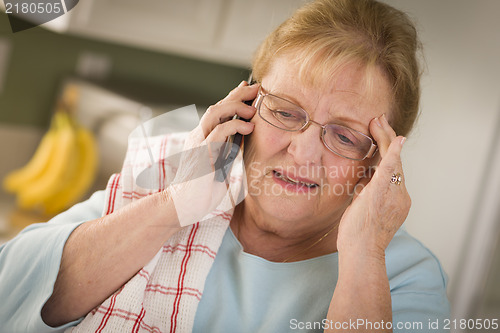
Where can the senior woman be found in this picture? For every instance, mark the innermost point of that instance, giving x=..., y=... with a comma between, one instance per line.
x=317, y=243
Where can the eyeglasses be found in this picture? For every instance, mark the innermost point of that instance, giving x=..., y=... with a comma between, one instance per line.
x=340, y=140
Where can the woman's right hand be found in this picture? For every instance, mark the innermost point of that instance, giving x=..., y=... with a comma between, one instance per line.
x=195, y=196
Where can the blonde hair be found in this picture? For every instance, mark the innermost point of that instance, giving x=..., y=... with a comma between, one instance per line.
x=326, y=34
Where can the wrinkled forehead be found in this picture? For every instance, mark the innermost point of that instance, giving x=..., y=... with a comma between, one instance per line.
x=316, y=72
x=337, y=75
x=326, y=74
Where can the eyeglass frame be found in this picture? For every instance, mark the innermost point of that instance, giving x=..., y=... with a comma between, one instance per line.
x=258, y=102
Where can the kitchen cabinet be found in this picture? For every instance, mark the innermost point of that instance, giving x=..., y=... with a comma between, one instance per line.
x=224, y=31
x=247, y=23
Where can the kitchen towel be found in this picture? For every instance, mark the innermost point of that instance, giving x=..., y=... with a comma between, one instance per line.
x=164, y=295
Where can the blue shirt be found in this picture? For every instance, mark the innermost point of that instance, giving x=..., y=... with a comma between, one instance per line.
x=243, y=292
x=246, y=293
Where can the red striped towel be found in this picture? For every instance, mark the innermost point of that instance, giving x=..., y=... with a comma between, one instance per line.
x=164, y=295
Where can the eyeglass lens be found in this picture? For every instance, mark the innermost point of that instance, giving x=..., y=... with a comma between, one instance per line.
x=288, y=116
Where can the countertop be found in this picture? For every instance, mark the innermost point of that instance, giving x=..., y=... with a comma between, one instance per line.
x=13, y=220
x=17, y=144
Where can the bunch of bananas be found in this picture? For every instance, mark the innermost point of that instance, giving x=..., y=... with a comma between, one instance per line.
x=60, y=172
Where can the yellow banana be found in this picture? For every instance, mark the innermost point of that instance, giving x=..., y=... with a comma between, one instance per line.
x=86, y=171
x=19, y=178
x=59, y=169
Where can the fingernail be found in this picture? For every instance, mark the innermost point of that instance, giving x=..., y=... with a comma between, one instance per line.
x=377, y=120
x=242, y=83
x=403, y=139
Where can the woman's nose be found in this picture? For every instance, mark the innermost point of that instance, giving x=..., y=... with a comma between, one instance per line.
x=306, y=146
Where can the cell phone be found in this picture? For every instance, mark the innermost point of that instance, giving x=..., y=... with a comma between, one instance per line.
x=228, y=153
x=230, y=149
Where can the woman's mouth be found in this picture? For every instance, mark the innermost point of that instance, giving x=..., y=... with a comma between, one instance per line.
x=290, y=183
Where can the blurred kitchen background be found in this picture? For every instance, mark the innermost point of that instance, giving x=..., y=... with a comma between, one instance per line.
x=123, y=54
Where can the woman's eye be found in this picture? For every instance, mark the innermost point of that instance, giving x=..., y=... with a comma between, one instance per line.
x=284, y=114
x=345, y=139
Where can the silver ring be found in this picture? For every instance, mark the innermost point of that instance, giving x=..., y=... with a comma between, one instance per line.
x=396, y=178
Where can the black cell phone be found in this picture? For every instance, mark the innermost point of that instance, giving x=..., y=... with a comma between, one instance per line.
x=230, y=149
x=228, y=153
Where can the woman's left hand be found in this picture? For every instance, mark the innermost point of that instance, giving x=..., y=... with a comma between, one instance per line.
x=381, y=207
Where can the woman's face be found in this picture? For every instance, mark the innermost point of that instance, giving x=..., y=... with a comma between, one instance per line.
x=297, y=186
